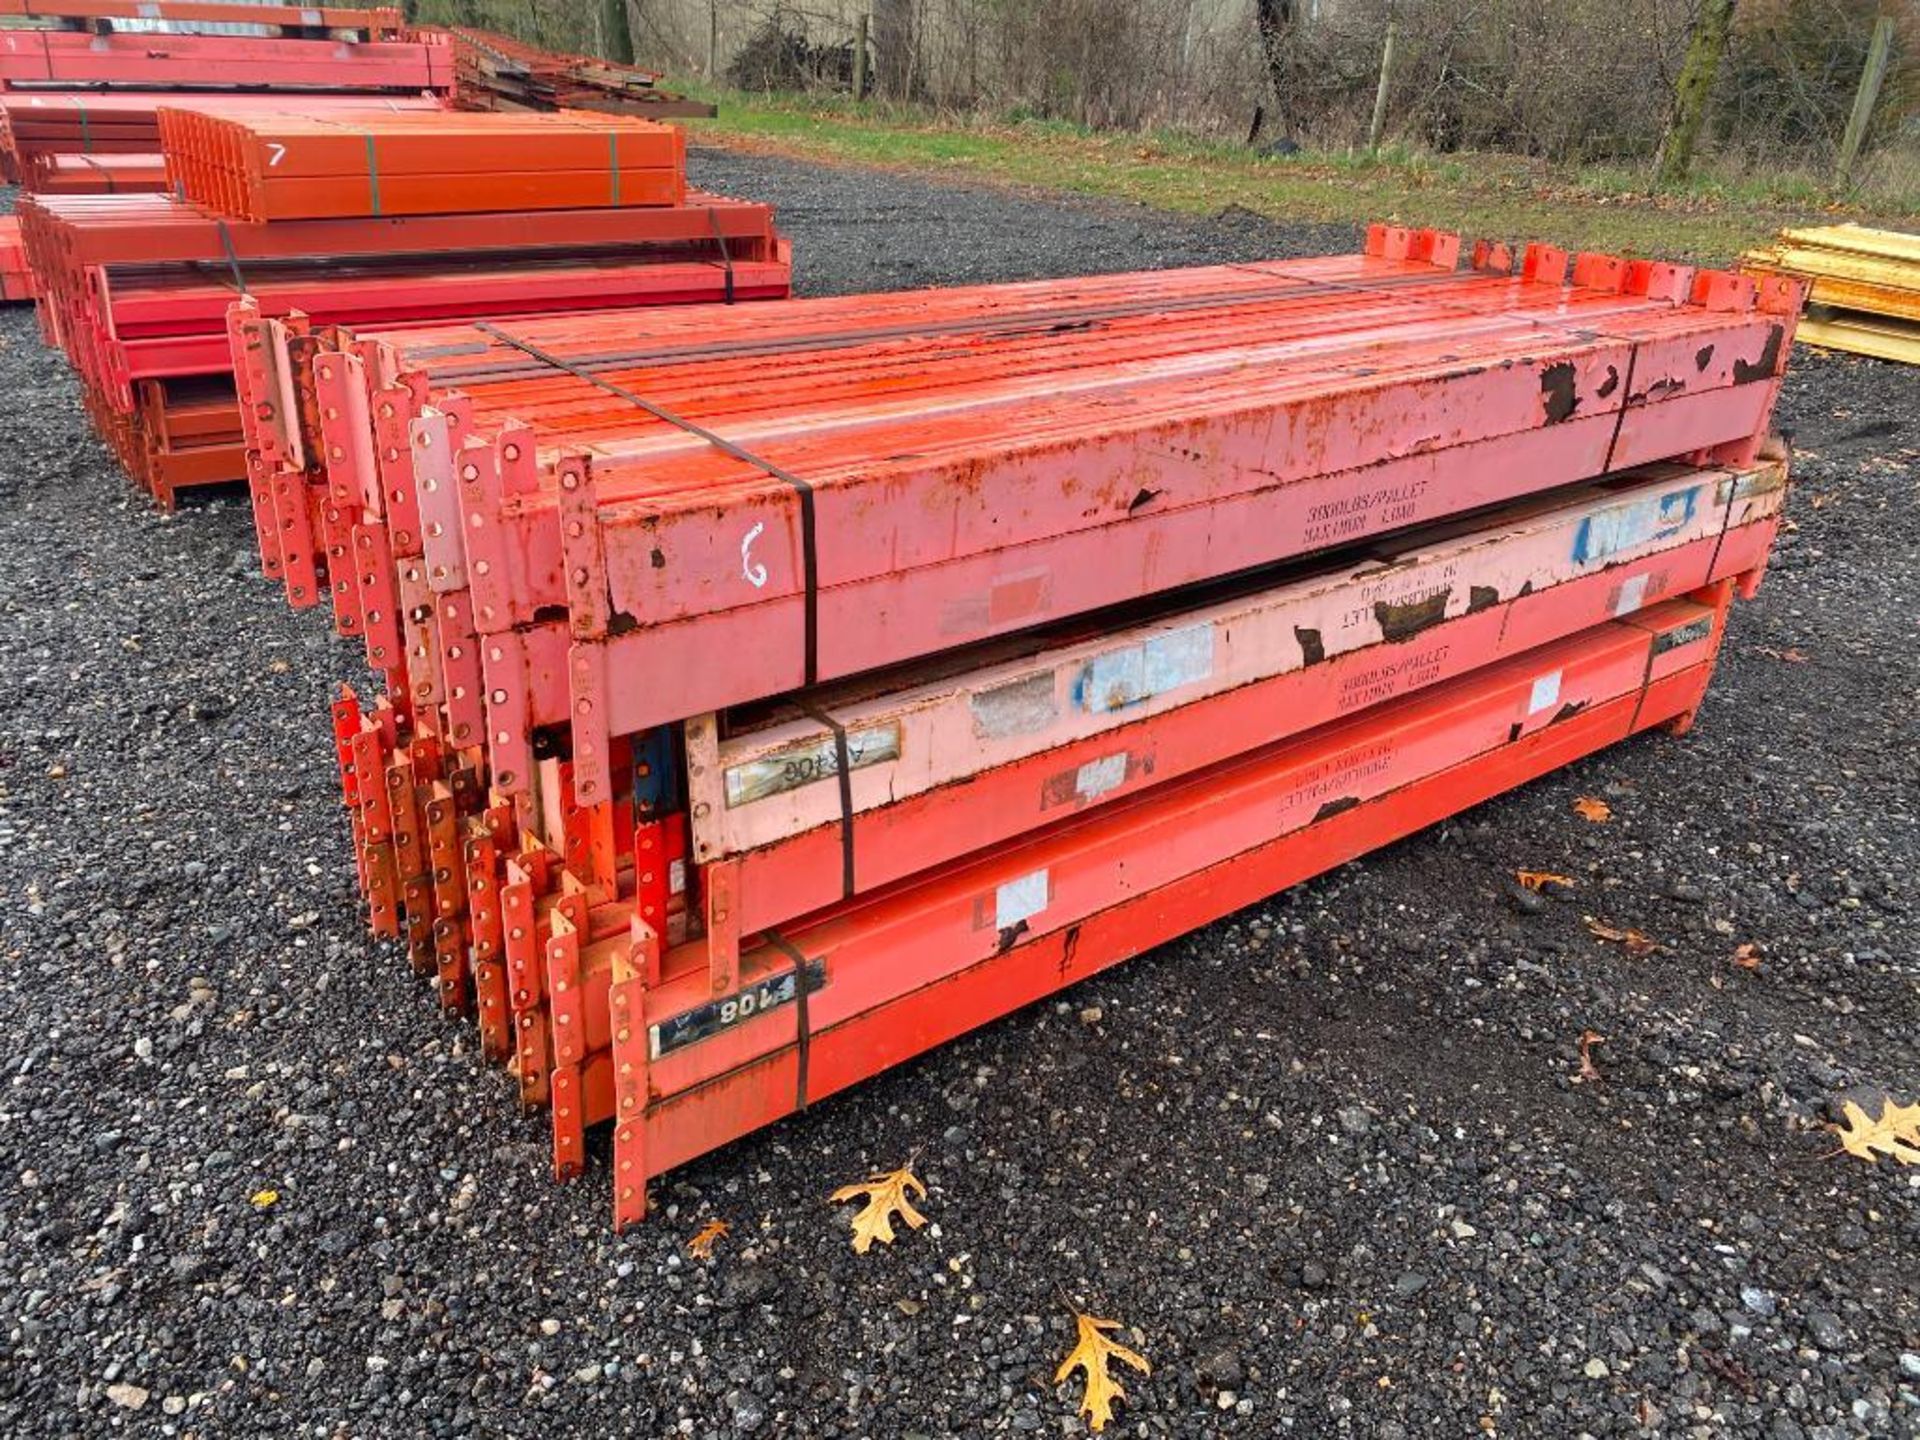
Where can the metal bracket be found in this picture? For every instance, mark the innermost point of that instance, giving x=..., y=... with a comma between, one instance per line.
x=626, y=1005
x=509, y=732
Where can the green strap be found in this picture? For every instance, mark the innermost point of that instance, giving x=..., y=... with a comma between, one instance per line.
x=373, y=171
x=86, y=127
x=613, y=159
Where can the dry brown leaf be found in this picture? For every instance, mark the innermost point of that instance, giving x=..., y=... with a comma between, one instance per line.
x=1747, y=956
x=1587, y=807
x=701, y=1245
x=1589, y=1039
x=1090, y=1354
x=1793, y=655
x=885, y=1195
x=1536, y=880
x=1895, y=1134
x=1638, y=943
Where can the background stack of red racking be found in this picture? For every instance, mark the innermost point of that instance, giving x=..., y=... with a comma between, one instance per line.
x=16, y=275
x=82, y=81
x=421, y=227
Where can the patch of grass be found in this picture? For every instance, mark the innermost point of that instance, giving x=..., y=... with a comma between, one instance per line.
x=1501, y=196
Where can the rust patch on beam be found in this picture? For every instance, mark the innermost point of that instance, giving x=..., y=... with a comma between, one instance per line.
x=1408, y=618
x=1745, y=372
x=1558, y=392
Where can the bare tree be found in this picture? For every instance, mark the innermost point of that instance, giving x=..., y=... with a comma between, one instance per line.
x=893, y=44
x=619, y=31
x=1274, y=19
x=1705, y=48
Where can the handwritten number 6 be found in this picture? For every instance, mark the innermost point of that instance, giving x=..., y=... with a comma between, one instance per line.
x=756, y=573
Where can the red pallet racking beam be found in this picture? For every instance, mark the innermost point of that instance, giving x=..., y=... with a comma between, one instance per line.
x=162, y=229
x=31, y=58
x=279, y=167
x=381, y=22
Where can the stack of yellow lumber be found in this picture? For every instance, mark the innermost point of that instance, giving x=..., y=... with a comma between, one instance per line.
x=1866, y=287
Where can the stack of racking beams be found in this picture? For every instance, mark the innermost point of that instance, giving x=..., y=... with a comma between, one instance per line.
x=136, y=288
x=1865, y=287
x=81, y=80
x=32, y=59
x=771, y=696
x=497, y=72
x=16, y=276
x=229, y=16
x=299, y=167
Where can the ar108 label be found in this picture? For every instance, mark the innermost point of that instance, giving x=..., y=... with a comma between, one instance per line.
x=705, y=1021
x=808, y=762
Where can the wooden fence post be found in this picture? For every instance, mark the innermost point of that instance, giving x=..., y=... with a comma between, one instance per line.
x=1380, y=96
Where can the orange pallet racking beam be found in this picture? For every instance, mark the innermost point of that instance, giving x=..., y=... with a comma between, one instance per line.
x=163, y=229
x=278, y=167
x=16, y=276
x=31, y=58
x=130, y=173
x=375, y=22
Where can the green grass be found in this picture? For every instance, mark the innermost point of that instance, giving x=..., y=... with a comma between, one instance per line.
x=1505, y=197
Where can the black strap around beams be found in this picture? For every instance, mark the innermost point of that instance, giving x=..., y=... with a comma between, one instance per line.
x=1626, y=401
x=805, y=1023
x=843, y=758
x=810, y=558
x=233, y=256
x=726, y=259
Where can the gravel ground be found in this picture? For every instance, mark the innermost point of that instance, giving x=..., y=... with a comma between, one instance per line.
x=1327, y=1159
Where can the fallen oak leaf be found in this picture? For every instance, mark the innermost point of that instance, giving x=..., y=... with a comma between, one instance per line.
x=1588, y=807
x=1793, y=655
x=1090, y=1354
x=885, y=1194
x=701, y=1245
x=1747, y=956
x=1536, y=880
x=1638, y=943
x=1895, y=1134
x=1588, y=1070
